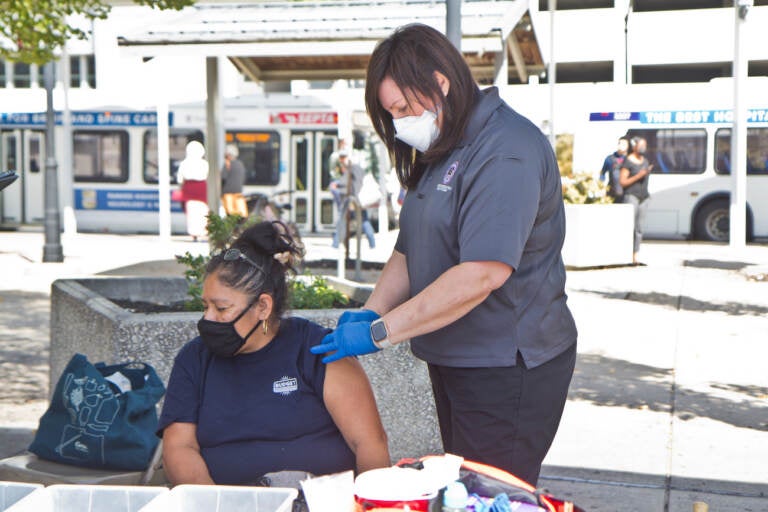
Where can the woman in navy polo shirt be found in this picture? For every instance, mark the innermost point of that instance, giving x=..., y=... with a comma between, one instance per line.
x=247, y=397
x=476, y=280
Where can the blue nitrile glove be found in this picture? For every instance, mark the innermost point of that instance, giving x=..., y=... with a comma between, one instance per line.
x=349, y=339
x=359, y=315
x=501, y=503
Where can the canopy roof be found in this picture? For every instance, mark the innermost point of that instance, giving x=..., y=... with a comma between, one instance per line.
x=326, y=40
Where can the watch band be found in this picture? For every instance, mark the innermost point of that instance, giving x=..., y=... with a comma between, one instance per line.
x=385, y=343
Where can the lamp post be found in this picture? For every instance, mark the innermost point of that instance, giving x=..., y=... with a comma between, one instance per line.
x=630, y=5
x=738, y=213
x=52, y=250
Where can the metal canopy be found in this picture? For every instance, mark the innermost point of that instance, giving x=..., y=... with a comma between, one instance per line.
x=327, y=40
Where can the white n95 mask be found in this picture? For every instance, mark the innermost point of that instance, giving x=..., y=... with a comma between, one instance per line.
x=417, y=131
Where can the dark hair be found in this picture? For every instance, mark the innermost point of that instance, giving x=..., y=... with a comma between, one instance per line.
x=259, y=243
x=410, y=57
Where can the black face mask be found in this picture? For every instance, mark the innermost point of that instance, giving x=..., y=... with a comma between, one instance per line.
x=221, y=338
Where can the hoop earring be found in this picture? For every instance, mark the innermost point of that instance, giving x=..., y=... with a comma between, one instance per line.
x=265, y=324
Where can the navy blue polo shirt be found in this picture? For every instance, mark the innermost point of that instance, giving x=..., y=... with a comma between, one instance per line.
x=258, y=412
x=496, y=197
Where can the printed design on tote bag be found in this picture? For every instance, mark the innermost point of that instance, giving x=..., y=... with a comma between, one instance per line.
x=92, y=409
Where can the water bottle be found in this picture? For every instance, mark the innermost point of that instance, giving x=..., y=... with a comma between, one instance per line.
x=455, y=497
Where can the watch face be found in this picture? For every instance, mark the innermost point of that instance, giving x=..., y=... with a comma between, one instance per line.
x=378, y=331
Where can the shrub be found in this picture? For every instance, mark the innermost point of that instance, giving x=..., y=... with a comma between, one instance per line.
x=304, y=292
x=583, y=188
x=314, y=294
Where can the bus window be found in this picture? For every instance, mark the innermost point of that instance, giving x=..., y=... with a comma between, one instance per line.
x=35, y=154
x=260, y=154
x=177, y=141
x=757, y=151
x=100, y=156
x=675, y=151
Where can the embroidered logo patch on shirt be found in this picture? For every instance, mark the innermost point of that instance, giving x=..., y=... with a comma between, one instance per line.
x=447, y=177
x=285, y=386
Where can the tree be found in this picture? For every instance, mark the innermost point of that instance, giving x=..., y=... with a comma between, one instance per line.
x=32, y=30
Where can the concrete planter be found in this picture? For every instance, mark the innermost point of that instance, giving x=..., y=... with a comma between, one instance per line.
x=598, y=235
x=85, y=320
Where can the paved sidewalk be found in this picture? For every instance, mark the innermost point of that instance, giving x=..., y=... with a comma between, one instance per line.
x=669, y=404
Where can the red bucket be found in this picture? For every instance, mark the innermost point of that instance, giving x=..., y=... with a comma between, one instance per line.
x=393, y=489
x=368, y=505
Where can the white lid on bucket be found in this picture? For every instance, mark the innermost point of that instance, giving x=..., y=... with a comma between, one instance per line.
x=394, y=484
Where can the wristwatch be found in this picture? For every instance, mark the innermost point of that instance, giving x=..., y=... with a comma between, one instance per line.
x=379, y=335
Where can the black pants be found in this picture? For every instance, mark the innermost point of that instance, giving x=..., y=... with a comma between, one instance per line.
x=506, y=417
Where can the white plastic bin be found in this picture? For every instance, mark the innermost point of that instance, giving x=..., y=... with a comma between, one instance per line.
x=88, y=498
x=223, y=498
x=11, y=492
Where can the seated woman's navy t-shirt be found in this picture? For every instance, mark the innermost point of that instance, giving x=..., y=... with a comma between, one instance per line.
x=258, y=412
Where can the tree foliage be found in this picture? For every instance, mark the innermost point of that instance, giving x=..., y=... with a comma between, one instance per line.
x=32, y=30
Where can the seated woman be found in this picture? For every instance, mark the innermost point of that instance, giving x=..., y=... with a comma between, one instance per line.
x=247, y=397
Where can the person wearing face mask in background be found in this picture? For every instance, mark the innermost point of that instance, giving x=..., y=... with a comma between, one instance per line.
x=476, y=280
x=634, y=180
x=611, y=171
x=247, y=397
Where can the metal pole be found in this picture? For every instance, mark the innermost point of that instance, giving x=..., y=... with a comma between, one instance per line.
x=383, y=159
x=626, y=42
x=358, y=235
x=65, y=184
x=163, y=172
x=738, y=215
x=552, y=71
x=214, y=133
x=347, y=203
x=52, y=250
x=453, y=22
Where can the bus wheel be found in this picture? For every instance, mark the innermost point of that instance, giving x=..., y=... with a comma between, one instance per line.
x=712, y=221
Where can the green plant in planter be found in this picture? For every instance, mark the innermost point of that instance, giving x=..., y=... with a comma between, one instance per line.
x=314, y=294
x=194, y=276
x=310, y=292
x=583, y=188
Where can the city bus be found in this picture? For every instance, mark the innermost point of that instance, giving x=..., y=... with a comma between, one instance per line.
x=688, y=129
x=690, y=182
x=284, y=141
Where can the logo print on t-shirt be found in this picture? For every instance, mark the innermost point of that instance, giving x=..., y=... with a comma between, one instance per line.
x=447, y=177
x=285, y=386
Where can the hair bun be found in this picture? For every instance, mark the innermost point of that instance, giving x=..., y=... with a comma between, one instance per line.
x=262, y=237
x=271, y=238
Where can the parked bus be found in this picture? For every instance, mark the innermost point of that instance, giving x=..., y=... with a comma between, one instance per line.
x=284, y=142
x=688, y=129
x=690, y=182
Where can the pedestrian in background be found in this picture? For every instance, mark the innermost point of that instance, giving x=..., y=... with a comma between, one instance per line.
x=634, y=180
x=192, y=176
x=348, y=186
x=476, y=280
x=232, y=181
x=611, y=171
x=334, y=170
